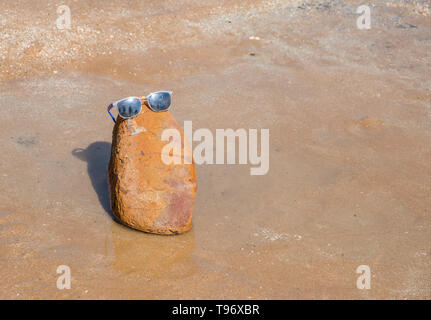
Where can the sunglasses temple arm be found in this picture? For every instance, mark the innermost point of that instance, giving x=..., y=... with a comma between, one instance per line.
x=109, y=111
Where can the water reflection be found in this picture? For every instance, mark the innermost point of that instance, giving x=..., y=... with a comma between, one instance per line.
x=156, y=256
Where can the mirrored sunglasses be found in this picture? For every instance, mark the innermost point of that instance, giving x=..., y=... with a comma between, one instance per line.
x=130, y=107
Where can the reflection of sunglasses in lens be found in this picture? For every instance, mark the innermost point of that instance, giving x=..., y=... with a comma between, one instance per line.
x=130, y=107
x=159, y=101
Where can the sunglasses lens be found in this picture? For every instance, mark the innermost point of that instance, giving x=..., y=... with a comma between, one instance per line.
x=129, y=108
x=159, y=101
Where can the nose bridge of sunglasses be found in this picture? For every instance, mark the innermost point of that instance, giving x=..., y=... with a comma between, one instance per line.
x=144, y=102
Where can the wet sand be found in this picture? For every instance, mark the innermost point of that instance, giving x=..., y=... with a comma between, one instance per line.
x=349, y=116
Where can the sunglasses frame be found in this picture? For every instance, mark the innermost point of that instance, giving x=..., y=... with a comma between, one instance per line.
x=142, y=100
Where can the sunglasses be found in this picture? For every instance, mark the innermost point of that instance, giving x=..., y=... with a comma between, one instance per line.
x=130, y=107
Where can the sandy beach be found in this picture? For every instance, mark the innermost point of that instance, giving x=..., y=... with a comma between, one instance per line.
x=349, y=116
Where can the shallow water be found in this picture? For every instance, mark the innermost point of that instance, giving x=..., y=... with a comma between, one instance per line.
x=349, y=178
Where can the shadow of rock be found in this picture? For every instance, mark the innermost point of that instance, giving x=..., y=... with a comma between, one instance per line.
x=97, y=157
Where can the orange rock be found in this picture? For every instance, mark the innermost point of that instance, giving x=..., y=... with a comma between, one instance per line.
x=147, y=194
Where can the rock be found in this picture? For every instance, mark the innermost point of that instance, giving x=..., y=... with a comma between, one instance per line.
x=147, y=194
